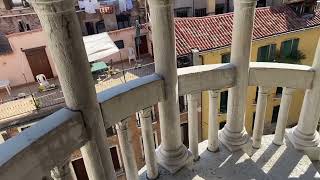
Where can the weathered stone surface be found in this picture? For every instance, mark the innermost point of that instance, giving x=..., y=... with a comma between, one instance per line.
x=269, y=162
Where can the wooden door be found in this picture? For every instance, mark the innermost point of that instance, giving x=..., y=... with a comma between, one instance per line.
x=38, y=62
x=79, y=169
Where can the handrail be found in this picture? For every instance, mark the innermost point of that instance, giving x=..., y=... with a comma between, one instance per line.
x=35, y=151
x=280, y=75
x=195, y=79
x=130, y=97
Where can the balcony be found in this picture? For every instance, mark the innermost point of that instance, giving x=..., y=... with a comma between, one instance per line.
x=45, y=148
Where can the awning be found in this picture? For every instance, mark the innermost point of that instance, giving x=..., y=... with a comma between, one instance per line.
x=99, y=46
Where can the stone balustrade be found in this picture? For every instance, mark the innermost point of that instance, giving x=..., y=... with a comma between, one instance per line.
x=46, y=147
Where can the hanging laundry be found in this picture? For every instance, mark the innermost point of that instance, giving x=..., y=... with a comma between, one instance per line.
x=129, y=5
x=122, y=5
x=81, y=4
x=90, y=6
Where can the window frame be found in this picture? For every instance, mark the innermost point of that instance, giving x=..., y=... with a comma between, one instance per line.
x=271, y=53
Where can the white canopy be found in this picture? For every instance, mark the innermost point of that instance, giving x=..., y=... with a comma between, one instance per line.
x=99, y=46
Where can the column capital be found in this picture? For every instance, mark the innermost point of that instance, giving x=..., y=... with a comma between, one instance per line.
x=213, y=94
x=146, y=113
x=122, y=125
x=264, y=90
x=288, y=91
x=193, y=97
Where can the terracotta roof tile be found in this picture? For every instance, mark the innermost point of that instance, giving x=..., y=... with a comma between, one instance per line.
x=215, y=31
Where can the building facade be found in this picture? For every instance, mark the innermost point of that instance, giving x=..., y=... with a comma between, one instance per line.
x=273, y=42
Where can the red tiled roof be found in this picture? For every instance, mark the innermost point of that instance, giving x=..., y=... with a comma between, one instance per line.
x=210, y=32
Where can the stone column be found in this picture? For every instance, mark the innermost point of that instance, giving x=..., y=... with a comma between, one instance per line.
x=127, y=152
x=304, y=135
x=193, y=125
x=233, y=135
x=286, y=100
x=213, y=125
x=260, y=116
x=172, y=154
x=64, y=172
x=61, y=25
x=211, y=7
x=148, y=144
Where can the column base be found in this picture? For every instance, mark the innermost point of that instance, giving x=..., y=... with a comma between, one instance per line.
x=300, y=140
x=175, y=160
x=234, y=141
x=307, y=143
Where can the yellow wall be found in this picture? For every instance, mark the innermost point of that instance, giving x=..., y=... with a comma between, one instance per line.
x=307, y=44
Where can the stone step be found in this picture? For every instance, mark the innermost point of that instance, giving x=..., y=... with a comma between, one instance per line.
x=269, y=162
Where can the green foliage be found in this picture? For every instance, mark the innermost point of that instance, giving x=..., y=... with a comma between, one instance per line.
x=292, y=59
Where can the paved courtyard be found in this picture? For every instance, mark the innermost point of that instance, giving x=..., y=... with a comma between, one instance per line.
x=26, y=100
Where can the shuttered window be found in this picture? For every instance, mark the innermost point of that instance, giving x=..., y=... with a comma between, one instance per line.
x=225, y=58
x=223, y=101
x=267, y=53
x=289, y=48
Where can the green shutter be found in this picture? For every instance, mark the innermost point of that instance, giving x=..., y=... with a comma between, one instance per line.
x=272, y=55
x=263, y=54
x=225, y=58
x=223, y=101
x=286, y=48
x=295, y=44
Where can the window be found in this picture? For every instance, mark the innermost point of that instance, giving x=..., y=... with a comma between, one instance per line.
x=184, y=61
x=289, y=48
x=111, y=131
x=100, y=26
x=119, y=44
x=153, y=117
x=181, y=12
x=225, y=58
x=223, y=101
x=23, y=26
x=183, y=103
x=5, y=46
x=267, y=53
x=115, y=158
x=155, y=140
x=200, y=12
x=279, y=91
x=90, y=28
x=261, y=3
x=275, y=113
x=219, y=8
x=123, y=21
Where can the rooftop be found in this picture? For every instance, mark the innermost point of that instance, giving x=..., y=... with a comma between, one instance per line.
x=211, y=32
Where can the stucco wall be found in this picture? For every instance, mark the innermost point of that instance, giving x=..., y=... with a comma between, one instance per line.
x=307, y=44
x=15, y=65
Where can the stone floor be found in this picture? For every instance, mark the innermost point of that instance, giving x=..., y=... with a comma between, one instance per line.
x=270, y=162
x=12, y=107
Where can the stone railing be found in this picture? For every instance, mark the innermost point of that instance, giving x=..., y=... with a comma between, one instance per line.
x=38, y=149
x=47, y=146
